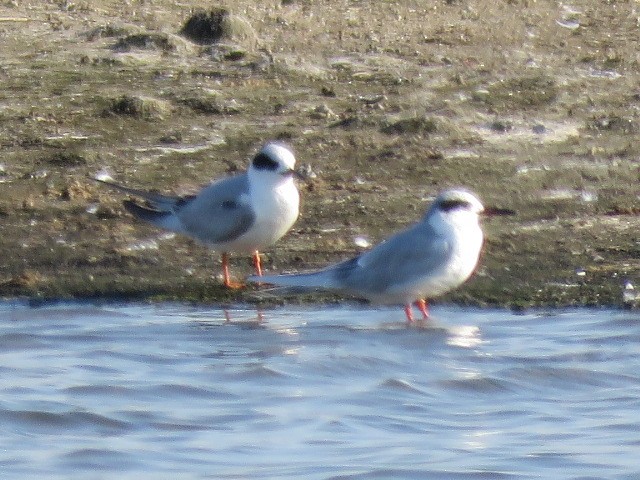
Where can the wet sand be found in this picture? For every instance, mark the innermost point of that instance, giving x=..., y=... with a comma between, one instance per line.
x=533, y=105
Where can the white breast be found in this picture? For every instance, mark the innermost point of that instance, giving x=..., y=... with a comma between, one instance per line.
x=466, y=238
x=276, y=210
x=466, y=241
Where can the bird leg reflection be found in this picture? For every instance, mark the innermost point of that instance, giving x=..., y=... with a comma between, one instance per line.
x=259, y=317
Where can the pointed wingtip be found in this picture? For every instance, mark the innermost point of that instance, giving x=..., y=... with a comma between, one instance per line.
x=143, y=213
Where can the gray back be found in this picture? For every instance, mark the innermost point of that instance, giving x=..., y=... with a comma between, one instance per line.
x=219, y=213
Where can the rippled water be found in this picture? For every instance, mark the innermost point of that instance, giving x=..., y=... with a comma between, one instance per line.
x=174, y=391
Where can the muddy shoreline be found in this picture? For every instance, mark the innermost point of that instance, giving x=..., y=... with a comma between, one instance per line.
x=533, y=105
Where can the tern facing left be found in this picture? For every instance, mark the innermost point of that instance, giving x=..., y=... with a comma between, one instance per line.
x=428, y=259
x=243, y=214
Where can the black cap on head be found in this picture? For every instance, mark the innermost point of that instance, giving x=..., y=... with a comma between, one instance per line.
x=452, y=204
x=262, y=161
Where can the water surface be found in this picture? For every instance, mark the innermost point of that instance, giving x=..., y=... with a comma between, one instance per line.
x=175, y=391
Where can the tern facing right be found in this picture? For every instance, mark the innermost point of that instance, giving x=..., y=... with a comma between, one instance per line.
x=426, y=260
x=243, y=213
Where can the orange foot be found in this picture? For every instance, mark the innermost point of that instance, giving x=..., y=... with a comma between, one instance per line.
x=234, y=285
x=227, y=282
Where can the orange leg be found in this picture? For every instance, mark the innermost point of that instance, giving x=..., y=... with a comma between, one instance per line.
x=423, y=306
x=225, y=272
x=257, y=263
x=408, y=313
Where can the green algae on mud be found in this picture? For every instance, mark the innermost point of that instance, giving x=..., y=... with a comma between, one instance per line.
x=384, y=113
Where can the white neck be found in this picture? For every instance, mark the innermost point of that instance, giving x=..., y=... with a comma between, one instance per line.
x=462, y=228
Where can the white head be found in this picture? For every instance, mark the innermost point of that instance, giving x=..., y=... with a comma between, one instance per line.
x=455, y=206
x=274, y=161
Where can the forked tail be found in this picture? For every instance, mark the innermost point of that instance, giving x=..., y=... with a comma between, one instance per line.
x=322, y=279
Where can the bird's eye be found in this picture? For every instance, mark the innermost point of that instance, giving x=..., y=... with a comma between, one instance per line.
x=264, y=162
x=448, y=205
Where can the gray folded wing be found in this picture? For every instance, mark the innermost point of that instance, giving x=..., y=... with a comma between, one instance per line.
x=219, y=213
x=404, y=258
